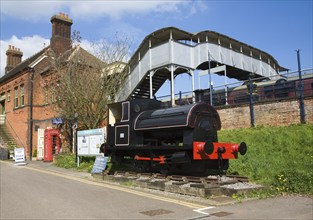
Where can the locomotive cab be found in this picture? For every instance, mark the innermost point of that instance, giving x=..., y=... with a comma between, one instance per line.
x=120, y=121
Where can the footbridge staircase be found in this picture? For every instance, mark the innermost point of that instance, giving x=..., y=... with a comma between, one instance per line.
x=168, y=52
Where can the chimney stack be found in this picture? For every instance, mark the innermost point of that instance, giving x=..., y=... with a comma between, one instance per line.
x=61, y=33
x=14, y=58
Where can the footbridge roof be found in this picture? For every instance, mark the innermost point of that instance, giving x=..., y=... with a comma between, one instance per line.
x=168, y=52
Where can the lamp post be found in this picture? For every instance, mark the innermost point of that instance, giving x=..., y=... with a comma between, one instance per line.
x=302, y=110
x=251, y=99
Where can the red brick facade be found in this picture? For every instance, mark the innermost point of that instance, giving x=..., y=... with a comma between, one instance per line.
x=16, y=113
x=268, y=114
x=18, y=108
x=27, y=91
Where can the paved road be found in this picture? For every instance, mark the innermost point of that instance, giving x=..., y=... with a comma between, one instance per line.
x=36, y=192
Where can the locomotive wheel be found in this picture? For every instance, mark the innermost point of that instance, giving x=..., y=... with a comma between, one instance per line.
x=141, y=166
x=164, y=170
x=116, y=158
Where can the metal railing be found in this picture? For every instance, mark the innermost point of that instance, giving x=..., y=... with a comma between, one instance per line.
x=2, y=119
x=256, y=90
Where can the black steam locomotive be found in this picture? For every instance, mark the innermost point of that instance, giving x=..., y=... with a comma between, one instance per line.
x=180, y=139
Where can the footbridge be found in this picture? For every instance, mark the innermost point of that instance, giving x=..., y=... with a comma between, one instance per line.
x=168, y=52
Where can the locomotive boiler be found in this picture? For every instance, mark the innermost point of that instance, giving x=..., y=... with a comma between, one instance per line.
x=181, y=139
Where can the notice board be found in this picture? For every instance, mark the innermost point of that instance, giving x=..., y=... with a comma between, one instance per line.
x=89, y=142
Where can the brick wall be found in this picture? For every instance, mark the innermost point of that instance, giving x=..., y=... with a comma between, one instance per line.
x=17, y=118
x=43, y=112
x=280, y=113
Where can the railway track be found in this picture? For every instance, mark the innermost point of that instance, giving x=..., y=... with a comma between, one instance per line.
x=205, y=187
x=209, y=180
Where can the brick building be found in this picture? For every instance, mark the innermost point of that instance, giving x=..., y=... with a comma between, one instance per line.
x=27, y=90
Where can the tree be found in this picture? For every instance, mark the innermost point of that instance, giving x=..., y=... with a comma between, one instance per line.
x=87, y=84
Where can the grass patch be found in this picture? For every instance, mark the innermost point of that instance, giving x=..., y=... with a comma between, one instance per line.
x=68, y=161
x=278, y=157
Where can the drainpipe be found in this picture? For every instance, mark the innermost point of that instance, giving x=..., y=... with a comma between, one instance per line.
x=30, y=123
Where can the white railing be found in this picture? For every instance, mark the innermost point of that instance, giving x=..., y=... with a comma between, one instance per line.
x=2, y=119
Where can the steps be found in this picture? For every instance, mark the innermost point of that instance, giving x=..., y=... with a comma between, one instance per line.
x=143, y=89
x=6, y=138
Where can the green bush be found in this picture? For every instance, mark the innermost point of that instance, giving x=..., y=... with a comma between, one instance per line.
x=35, y=153
x=65, y=160
x=68, y=161
x=278, y=157
x=86, y=163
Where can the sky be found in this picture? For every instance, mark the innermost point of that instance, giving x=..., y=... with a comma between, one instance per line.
x=276, y=27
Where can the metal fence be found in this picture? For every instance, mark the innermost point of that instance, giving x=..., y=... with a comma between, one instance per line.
x=255, y=90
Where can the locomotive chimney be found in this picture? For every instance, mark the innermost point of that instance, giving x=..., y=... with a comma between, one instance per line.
x=14, y=58
x=61, y=33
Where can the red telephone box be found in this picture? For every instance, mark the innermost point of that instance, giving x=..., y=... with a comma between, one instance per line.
x=51, y=144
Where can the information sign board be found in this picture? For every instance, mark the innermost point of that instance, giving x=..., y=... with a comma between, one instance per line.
x=57, y=121
x=89, y=141
x=19, y=155
x=100, y=164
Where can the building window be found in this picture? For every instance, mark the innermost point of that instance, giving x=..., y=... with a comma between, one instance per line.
x=52, y=95
x=9, y=96
x=15, y=97
x=2, y=96
x=57, y=91
x=46, y=95
x=22, y=95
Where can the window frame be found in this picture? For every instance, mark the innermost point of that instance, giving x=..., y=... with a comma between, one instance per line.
x=15, y=97
x=53, y=100
x=46, y=93
x=22, y=95
x=9, y=95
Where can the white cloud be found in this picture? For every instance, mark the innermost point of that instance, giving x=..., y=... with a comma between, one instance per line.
x=28, y=45
x=30, y=10
x=36, y=10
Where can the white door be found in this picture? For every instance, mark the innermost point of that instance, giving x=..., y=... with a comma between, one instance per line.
x=41, y=133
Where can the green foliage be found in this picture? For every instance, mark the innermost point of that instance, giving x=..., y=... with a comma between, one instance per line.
x=126, y=165
x=129, y=183
x=35, y=153
x=11, y=145
x=68, y=161
x=277, y=157
x=65, y=160
x=86, y=163
x=259, y=194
